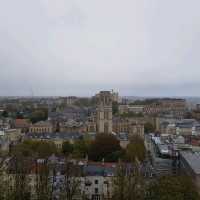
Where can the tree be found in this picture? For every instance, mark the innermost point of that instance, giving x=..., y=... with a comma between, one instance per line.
x=81, y=148
x=148, y=128
x=19, y=184
x=128, y=182
x=72, y=181
x=67, y=148
x=4, y=114
x=115, y=108
x=136, y=149
x=38, y=149
x=43, y=186
x=39, y=115
x=103, y=146
x=173, y=188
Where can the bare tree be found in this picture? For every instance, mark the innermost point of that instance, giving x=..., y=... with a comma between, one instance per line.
x=18, y=178
x=43, y=183
x=128, y=182
x=72, y=181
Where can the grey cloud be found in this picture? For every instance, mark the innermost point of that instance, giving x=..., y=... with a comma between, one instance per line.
x=75, y=47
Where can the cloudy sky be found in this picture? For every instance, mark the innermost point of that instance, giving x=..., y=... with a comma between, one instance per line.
x=76, y=47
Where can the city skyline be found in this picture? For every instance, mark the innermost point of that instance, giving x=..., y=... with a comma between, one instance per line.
x=62, y=48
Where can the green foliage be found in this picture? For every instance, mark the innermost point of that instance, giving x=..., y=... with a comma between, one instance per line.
x=115, y=156
x=148, y=128
x=39, y=115
x=81, y=148
x=30, y=148
x=104, y=146
x=135, y=149
x=173, y=188
x=115, y=108
x=4, y=114
x=67, y=148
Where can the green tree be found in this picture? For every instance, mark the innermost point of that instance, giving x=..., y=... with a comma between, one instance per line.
x=136, y=149
x=81, y=148
x=148, y=128
x=173, y=188
x=115, y=108
x=38, y=149
x=4, y=114
x=67, y=148
x=39, y=115
x=103, y=146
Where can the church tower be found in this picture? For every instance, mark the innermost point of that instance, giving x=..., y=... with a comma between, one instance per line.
x=104, y=112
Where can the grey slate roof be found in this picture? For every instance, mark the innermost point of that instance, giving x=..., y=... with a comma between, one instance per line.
x=65, y=136
x=193, y=160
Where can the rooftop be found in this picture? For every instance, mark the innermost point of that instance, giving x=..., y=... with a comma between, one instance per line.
x=193, y=160
x=65, y=136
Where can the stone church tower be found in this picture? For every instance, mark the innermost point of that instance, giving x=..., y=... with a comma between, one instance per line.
x=104, y=112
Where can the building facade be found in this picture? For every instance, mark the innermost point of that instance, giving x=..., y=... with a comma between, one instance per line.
x=41, y=127
x=128, y=125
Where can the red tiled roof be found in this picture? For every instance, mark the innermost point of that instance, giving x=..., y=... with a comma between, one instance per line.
x=21, y=123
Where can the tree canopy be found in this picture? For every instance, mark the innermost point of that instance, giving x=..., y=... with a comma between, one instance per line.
x=173, y=188
x=135, y=149
x=39, y=115
x=31, y=148
x=148, y=127
x=81, y=148
x=115, y=108
x=67, y=148
x=103, y=147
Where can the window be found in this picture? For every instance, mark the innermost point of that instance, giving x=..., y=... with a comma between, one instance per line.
x=96, y=181
x=96, y=190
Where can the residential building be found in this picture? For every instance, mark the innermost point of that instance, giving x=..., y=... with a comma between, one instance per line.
x=176, y=107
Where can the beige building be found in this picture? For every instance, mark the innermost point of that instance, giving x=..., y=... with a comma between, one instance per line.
x=104, y=112
x=131, y=108
x=41, y=127
x=14, y=135
x=128, y=125
x=177, y=106
x=91, y=125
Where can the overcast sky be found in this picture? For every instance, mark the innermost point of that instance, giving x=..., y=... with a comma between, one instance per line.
x=77, y=47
